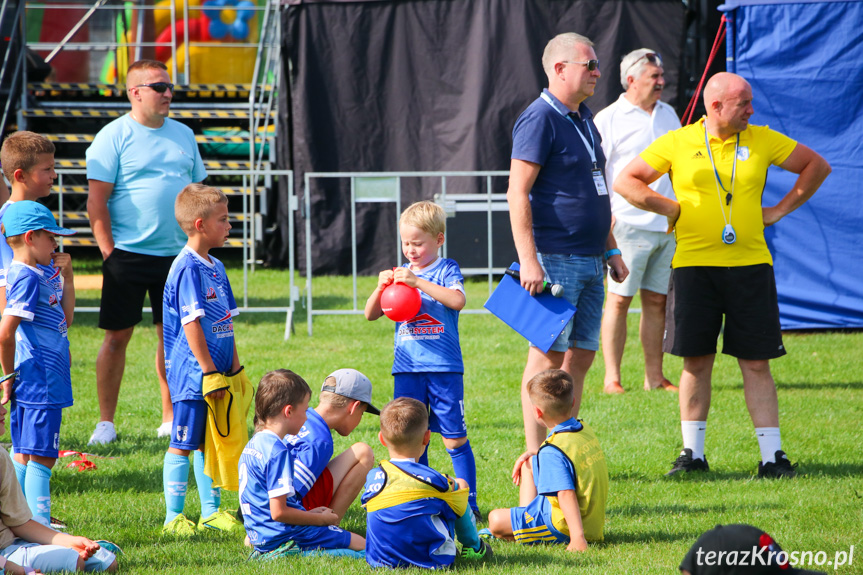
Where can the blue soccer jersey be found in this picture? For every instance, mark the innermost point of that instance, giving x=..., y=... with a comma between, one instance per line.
x=265, y=473
x=311, y=451
x=429, y=341
x=415, y=533
x=41, y=342
x=53, y=274
x=196, y=290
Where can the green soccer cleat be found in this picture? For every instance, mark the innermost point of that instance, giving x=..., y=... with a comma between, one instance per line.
x=179, y=526
x=220, y=521
x=484, y=552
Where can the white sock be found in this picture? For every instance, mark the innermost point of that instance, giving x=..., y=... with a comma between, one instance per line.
x=769, y=442
x=693, y=437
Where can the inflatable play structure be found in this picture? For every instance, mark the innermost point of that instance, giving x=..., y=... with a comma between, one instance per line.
x=221, y=24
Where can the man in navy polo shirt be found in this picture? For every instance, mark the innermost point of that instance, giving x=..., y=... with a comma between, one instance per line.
x=560, y=211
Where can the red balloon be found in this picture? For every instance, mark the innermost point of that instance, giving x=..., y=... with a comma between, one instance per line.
x=400, y=302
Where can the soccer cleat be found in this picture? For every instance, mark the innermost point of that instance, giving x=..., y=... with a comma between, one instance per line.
x=781, y=468
x=164, y=430
x=486, y=534
x=112, y=547
x=104, y=434
x=686, y=463
x=179, y=526
x=283, y=550
x=484, y=552
x=220, y=521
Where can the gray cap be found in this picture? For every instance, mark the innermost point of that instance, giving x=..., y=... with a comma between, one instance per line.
x=354, y=385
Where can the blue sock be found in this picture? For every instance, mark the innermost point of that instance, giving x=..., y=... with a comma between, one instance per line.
x=21, y=474
x=38, y=490
x=465, y=530
x=210, y=498
x=464, y=466
x=424, y=458
x=175, y=478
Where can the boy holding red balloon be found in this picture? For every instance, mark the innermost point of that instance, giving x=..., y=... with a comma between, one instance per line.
x=428, y=364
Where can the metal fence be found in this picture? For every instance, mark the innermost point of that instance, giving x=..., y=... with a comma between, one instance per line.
x=386, y=187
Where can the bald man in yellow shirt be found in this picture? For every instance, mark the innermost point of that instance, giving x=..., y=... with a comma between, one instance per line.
x=722, y=267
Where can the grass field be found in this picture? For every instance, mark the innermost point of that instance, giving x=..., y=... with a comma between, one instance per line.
x=651, y=521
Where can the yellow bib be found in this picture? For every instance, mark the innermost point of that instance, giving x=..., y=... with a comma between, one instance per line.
x=583, y=450
x=403, y=487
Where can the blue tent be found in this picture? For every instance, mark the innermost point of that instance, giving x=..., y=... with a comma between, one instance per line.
x=805, y=63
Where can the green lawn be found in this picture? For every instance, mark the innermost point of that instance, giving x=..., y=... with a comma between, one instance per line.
x=651, y=521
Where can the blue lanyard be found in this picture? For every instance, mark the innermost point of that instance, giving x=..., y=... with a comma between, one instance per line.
x=716, y=173
x=590, y=147
x=728, y=194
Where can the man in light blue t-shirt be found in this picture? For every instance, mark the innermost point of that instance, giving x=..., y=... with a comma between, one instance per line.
x=136, y=166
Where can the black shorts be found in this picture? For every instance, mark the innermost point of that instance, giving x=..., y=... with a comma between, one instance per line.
x=699, y=297
x=126, y=278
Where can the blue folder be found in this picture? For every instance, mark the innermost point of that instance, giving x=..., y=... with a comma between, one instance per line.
x=540, y=319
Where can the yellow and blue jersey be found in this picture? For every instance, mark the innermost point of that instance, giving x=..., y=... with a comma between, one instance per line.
x=412, y=511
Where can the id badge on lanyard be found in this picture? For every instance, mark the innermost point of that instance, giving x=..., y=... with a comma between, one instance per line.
x=599, y=182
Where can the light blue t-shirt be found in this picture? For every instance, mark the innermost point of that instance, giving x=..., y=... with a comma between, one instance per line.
x=553, y=471
x=196, y=290
x=148, y=168
x=41, y=342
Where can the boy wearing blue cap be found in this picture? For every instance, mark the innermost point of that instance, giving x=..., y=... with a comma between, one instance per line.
x=34, y=348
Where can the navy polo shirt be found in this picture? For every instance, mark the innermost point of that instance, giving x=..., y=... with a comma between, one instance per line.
x=569, y=216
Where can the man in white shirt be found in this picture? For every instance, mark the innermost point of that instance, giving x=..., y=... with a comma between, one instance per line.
x=628, y=126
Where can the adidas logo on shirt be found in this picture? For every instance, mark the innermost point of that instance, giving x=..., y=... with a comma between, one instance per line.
x=698, y=155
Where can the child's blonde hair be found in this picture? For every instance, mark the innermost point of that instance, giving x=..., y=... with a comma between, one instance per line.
x=196, y=201
x=427, y=216
x=551, y=391
x=404, y=422
x=21, y=151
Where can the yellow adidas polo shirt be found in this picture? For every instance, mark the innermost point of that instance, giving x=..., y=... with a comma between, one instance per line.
x=683, y=155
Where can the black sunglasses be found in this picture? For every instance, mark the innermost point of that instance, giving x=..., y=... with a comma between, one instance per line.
x=158, y=87
x=591, y=64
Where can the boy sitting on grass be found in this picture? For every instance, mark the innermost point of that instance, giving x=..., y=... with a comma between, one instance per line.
x=321, y=480
x=200, y=355
x=413, y=509
x=26, y=545
x=275, y=520
x=34, y=347
x=568, y=473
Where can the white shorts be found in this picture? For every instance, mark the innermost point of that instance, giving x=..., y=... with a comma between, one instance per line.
x=647, y=255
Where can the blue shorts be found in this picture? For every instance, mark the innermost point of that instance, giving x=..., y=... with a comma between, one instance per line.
x=442, y=393
x=582, y=281
x=320, y=537
x=54, y=558
x=190, y=423
x=533, y=524
x=35, y=431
